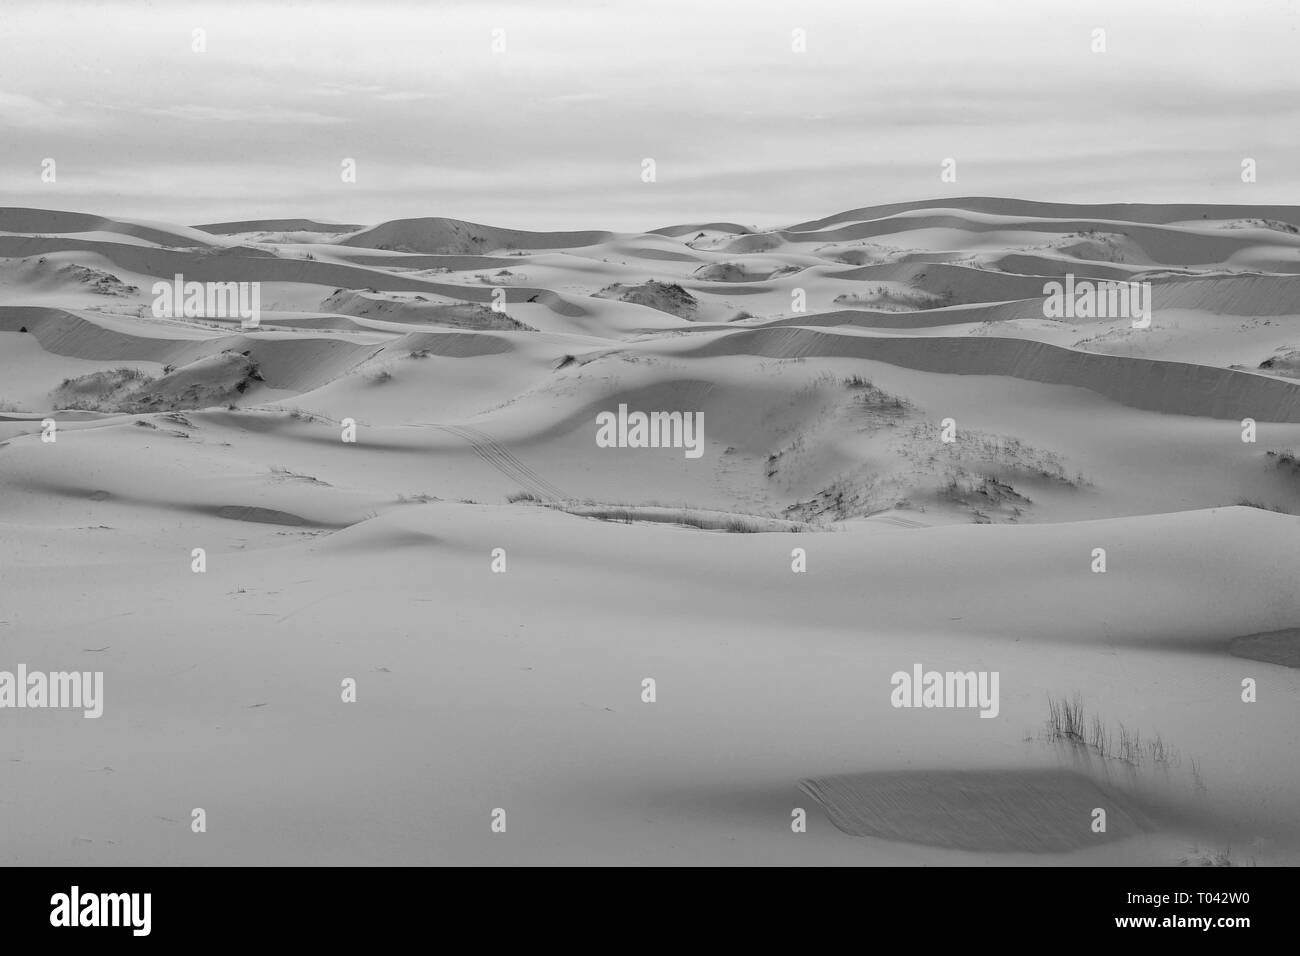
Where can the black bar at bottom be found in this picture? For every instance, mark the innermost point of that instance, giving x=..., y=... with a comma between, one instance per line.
x=334, y=906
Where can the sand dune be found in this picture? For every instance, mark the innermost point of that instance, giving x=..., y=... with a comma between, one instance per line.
x=413, y=425
x=1086, y=240
x=1159, y=213
x=277, y=225
x=1171, y=387
x=454, y=237
x=46, y=222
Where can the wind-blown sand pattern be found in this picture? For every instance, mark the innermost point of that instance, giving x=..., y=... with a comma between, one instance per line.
x=473, y=361
x=1030, y=811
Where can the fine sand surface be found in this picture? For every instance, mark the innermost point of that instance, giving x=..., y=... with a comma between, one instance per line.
x=500, y=587
x=991, y=810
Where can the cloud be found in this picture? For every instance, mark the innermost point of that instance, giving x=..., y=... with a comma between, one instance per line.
x=196, y=113
x=18, y=110
x=408, y=96
x=344, y=89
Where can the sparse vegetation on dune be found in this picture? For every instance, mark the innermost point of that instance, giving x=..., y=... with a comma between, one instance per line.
x=420, y=499
x=850, y=496
x=99, y=281
x=1286, y=459
x=302, y=415
x=701, y=518
x=883, y=298
x=744, y=270
x=1258, y=223
x=100, y=391
x=665, y=296
x=208, y=382
x=1070, y=723
x=418, y=310
x=280, y=473
x=997, y=454
x=869, y=396
x=984, y=492
x=977, y=471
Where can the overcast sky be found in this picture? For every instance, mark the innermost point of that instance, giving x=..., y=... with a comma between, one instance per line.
x=551, y=133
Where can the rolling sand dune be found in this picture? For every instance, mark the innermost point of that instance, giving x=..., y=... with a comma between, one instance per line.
x=1083, y=239
x=1115, y=212
x=1170, y=387
x=37, y=223
x=399, y=473
x=277, y=225
x=453, y=237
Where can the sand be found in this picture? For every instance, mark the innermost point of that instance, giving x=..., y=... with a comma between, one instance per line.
x=826, y=538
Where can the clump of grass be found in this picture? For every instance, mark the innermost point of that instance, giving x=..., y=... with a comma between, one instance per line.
x=1065, y=718
x=1099, y=737
x=665, y=296
x=110, y=390
x=521, y=496
x=281, y=473
x=107, y=378
x=1160, y=752
x=874, y=397
x=984, y=490
x=1130, y=746
x=1068, y=720
x=996, y=453
x=1286, y=458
